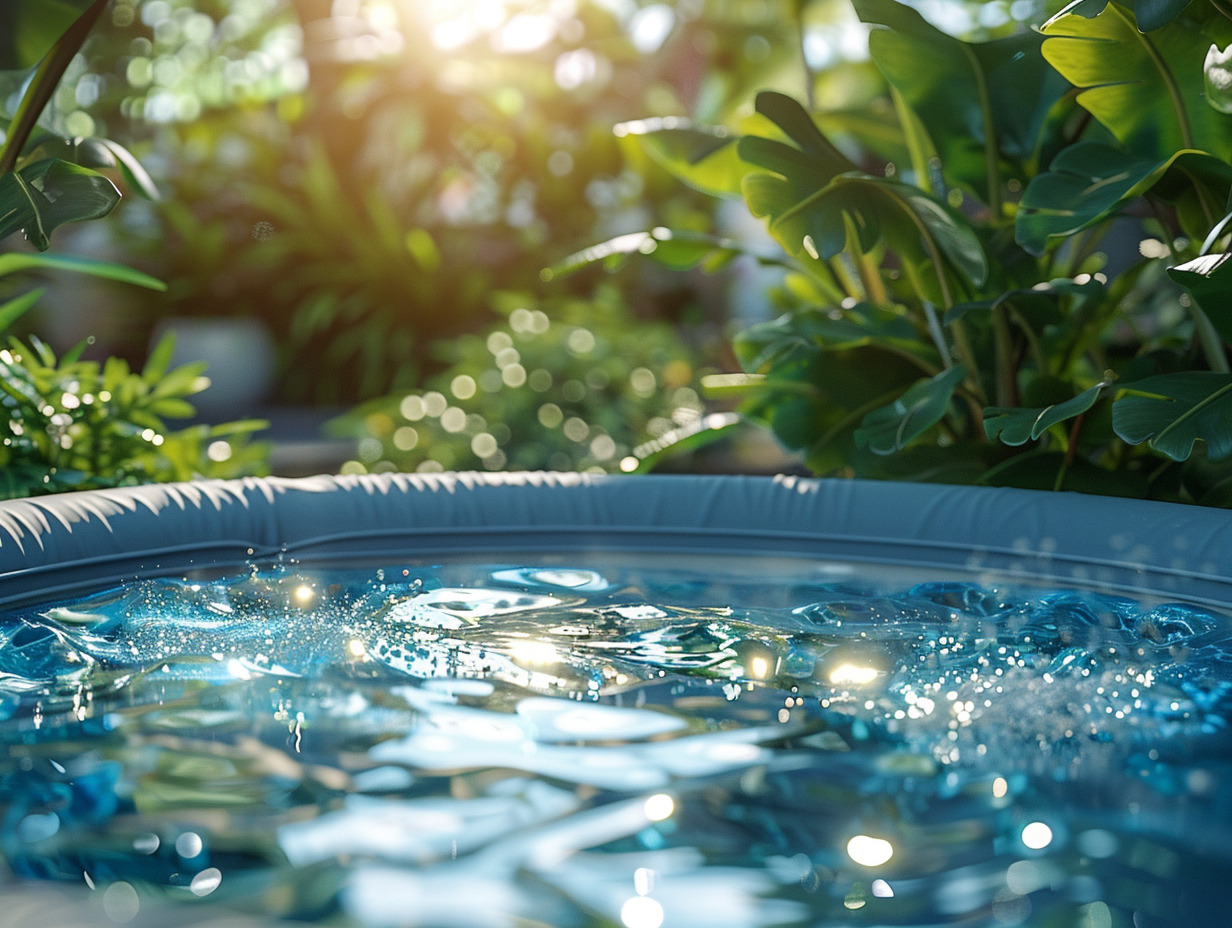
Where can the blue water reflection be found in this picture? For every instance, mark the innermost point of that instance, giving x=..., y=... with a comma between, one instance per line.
x=602, y=743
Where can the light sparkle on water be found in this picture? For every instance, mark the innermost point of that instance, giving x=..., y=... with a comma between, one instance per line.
x=640, y=739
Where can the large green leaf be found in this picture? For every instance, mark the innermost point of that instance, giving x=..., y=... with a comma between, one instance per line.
x=96, y=152
x=14, y=309
x=922, y=406
x=1148, y=14
x=815, y=329
x=673, y=249
x=1041, y=469
x=1155, y=14
x=980, y=103
x=20, y=261
x=704, y=157
x=43, y=83
x=1209, y=281
x=44, y=195
x=1089, y=182
x=687, y=438
x=808, y=164
x=1147, y=90
x=1172, y=411
x=37, y=24
x=882, y=212
x=1016, y=426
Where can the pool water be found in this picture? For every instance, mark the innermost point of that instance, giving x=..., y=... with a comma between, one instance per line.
x=614, y=744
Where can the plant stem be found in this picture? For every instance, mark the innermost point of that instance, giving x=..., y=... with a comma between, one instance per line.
x=842, y=274
x=1209, y=340
x=866, y=267
x=938, y=335
x=1007, y=392
x=963, y=344
x=916, y=140
x=992, y=173
x=1037, y=349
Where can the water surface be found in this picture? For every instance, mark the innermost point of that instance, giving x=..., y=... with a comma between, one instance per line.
x=609, y=743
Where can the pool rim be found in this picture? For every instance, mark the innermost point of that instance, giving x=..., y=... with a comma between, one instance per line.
x=67, y=544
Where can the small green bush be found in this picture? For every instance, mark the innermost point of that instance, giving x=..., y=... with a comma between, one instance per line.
x=567, y=384
x=77, y=424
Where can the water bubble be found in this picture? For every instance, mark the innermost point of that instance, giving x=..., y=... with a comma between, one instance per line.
x=1097, y=843
x=659, y=807
x=1036, y=835
x=641, y=912
x=869, y=851
x=38, y=826
x=121, y=902
x=189, y=845
x=206, y=881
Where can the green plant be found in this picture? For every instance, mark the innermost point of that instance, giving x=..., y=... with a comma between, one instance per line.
x=46, y=180
x=570, y=384
x=72, y=423
x=956, y=309
x=77, y=424
x=42, y=189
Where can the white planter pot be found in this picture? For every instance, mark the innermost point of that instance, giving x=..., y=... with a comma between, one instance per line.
x=240, y=357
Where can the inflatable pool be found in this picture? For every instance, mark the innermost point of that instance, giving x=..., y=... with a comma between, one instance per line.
x=71, y=542
x=636, y=701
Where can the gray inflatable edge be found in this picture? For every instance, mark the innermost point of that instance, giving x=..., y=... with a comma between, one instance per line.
x=58, y=546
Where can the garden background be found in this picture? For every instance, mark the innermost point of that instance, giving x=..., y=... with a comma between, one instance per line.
x=957, y=242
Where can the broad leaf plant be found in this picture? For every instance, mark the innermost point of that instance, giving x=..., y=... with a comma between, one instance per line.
x=957, y=308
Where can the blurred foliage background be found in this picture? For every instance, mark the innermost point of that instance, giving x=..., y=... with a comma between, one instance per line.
x=363, y=174
x=374, y=179
x=366, y=176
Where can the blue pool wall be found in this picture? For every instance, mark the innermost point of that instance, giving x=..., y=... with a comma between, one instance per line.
x=77, y=542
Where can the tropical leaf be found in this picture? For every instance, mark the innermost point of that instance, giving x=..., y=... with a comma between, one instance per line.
x=983, y=105
x=17, y=307
x=679, y=441
x=43, y=83
x=704, y=157
x=814, y=190
x=37, y=24
x=796, y=123
x=676, y=250
x=1147, y=90
x=922, y=406
x=1172, y=411
x=863, y=325
x=1209, y=281
x=1041, y=469
x=882, y=212
x=808, y=165
x=1089, y=182
x=1016, y=426
x=13, y=262
x=45, y=195
x=1155, y=14
x=93, y=152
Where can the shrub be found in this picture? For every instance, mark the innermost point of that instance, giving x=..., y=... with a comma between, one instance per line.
x=566, y=384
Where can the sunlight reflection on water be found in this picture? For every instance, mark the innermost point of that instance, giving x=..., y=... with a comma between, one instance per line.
x=642, y=746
